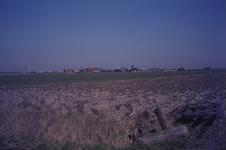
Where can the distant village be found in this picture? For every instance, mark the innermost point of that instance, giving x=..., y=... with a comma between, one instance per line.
x=101, y=70
x=122, y=69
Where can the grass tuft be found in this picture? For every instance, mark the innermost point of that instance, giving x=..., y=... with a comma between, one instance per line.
x=2, y=142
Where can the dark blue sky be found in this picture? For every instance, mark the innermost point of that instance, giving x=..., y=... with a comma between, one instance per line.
x=59, y=34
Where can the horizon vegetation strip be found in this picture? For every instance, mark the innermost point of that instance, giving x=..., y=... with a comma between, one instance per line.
x=59, y=79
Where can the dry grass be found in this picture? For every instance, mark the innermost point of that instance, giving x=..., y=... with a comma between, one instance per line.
x=71, y=129
x=59, y=126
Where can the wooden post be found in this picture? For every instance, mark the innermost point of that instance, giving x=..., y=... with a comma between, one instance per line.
x=163, y=135
x=187, y=111
x=160, y=118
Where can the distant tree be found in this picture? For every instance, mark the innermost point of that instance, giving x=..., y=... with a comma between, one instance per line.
x=102, y=70
x=82, y=70
x=133, y=69
x=117, y=70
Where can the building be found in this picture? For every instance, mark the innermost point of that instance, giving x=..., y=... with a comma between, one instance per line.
x=91, y=69
x=134, y=70
x=169, y=70
x=68, y=70
x=39, y=71
x=154, y=69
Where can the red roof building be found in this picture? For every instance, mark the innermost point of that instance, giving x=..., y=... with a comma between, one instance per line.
x=91, y=69
x=68, y=70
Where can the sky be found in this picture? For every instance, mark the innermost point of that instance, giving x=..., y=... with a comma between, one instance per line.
x=74, y=34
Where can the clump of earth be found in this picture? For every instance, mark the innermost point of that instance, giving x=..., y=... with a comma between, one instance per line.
x=120, y=111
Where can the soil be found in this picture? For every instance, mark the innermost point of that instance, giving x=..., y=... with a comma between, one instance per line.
x=134, y=100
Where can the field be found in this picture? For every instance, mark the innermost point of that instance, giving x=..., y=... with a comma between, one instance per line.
x=56, y=79
x=62, y=115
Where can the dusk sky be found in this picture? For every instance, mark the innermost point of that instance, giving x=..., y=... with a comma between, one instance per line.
x=74, y=34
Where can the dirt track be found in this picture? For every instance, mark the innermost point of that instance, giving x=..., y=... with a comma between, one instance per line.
x=134, y=101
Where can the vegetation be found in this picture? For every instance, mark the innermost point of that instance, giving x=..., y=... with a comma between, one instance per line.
x=56, y=79
x=173, y=144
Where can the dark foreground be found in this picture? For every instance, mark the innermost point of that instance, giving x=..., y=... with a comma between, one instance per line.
x=120, y=111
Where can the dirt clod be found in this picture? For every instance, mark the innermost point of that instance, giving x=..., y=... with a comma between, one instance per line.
x=95, y=111
x=128, y=106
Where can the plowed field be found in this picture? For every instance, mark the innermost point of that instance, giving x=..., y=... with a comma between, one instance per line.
x=119, y=110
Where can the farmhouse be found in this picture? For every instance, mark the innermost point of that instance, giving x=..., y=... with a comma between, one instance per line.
x=68, y=70
x=134, y=70
x=154, y=69
x=39, y=71
x=91, y=69
x=169, y=70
